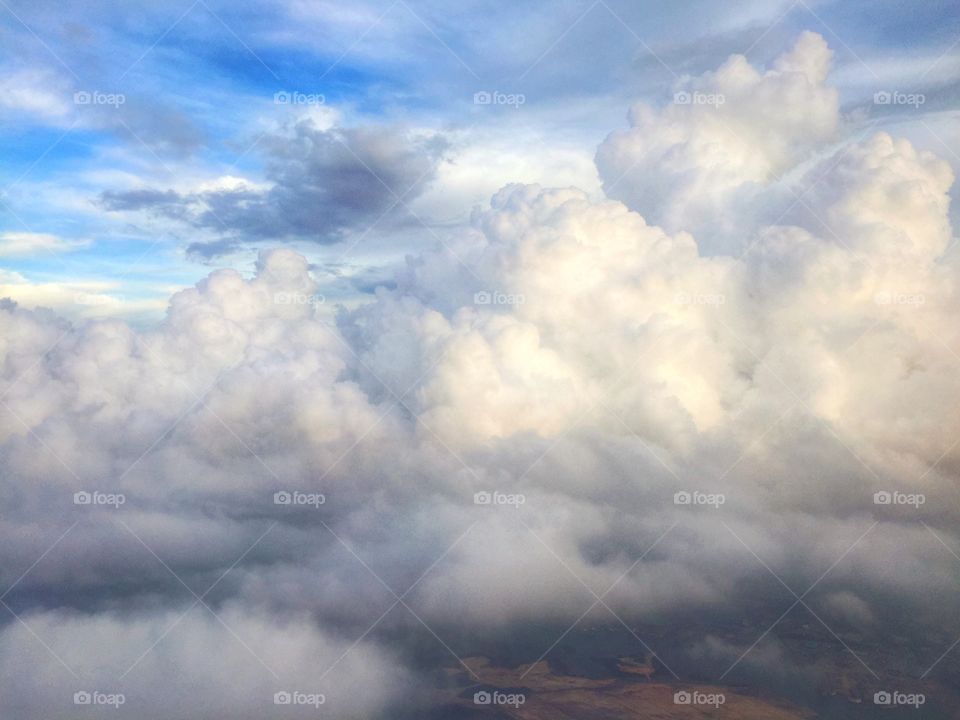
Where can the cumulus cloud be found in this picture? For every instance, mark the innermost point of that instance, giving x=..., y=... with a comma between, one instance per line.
x=575, y=352
x=726, y=135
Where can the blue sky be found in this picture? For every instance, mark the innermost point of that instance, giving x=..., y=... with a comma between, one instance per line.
x=393, y=83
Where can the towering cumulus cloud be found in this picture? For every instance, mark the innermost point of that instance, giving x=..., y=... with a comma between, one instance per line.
x=242, y=491
x=699, y=163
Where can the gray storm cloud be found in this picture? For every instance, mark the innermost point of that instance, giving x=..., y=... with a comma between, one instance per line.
x=566, y=349
x=322, y=182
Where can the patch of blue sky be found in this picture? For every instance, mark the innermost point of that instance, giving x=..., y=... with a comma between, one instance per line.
x=35, y=151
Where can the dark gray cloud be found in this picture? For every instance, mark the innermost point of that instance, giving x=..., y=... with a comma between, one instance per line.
x=206, y=251
x=325, y=183
x=163, y=201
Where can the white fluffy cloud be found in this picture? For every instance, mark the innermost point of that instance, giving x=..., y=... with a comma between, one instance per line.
x=697, y=163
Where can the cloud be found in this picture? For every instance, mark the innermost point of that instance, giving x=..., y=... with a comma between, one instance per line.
x=164, y=201
x=55, y=96
x=695, y=163
x=75, y=297
x=200, y=682
x=323, y=183
x=564, y=349
x=15, y=244
x=31, y=91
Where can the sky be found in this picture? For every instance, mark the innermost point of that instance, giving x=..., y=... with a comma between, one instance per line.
x=341, y=343
x=184, y=158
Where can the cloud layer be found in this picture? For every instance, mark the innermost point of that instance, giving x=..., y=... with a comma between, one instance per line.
x=595, y=356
